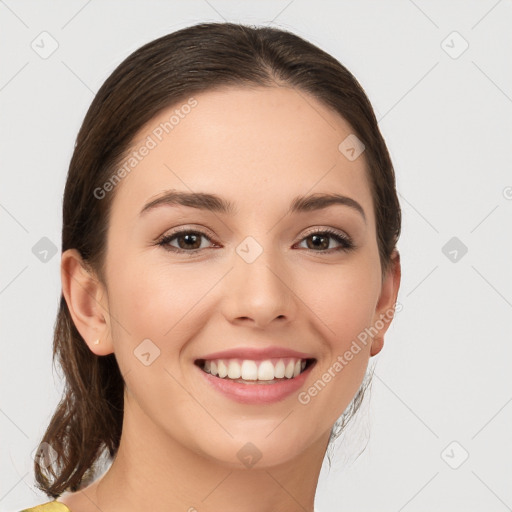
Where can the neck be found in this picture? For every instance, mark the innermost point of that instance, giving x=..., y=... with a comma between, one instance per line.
x=155, y=472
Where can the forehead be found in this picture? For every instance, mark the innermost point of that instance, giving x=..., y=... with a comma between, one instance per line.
x=257, y=143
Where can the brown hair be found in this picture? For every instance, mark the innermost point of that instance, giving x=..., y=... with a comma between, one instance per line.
x=88, y=420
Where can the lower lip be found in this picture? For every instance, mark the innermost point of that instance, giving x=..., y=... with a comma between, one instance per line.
x=257, y=393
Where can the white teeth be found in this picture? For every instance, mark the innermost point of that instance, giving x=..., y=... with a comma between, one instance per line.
x=234, y=370
x=249, y=370
x=222, y=369
x=279, y=370
x=288, y=372
x=266, y=371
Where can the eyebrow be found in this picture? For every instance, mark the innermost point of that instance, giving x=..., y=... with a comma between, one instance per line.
x=214, y=203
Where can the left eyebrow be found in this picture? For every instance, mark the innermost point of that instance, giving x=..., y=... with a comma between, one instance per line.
x=214, y=203
x=321, y=201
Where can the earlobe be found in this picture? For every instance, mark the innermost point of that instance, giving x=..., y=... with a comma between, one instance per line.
x=84, y=295
x=385, y=310
x=377, y=344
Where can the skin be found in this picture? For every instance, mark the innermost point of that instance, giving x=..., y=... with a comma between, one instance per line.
x=259, y=148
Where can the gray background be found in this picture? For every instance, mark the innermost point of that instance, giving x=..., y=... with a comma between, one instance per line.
x=444, y=373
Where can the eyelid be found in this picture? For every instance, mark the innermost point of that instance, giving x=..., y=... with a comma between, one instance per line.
x=167, y=236
x=344, y=240
x=347, y=241
x=332, y=231
x=188, y=228
x=209, y=234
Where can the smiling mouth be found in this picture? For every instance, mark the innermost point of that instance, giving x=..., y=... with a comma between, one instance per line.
x=249, y=371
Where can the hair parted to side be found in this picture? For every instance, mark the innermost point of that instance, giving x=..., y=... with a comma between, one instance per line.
x=88, y=420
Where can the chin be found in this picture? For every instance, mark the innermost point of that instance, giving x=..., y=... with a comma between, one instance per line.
x=257, y=449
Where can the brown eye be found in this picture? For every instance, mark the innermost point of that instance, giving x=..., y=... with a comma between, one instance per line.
x=187, y=241
x=320, y=241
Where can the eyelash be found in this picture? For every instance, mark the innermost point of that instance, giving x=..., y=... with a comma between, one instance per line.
x=345, y=241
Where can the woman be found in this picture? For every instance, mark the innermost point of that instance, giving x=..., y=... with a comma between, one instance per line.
x=229, y=266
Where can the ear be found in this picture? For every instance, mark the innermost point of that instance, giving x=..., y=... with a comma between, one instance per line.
x=385, y=310
x=86, y=300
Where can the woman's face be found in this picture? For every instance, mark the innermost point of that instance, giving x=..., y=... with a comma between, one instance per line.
x=253, y=279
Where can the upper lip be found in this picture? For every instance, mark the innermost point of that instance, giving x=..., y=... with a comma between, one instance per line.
x=257, y=353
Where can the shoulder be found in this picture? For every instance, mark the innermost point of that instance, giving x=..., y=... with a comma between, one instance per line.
x=51, y=506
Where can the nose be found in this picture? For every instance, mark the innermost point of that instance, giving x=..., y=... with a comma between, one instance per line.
x=260, y=292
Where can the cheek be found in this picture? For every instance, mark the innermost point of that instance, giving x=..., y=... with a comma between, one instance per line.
x=150, y=300
x=344, y=304
x=342, y=298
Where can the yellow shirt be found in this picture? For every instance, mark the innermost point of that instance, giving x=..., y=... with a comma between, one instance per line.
x=51, y=506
